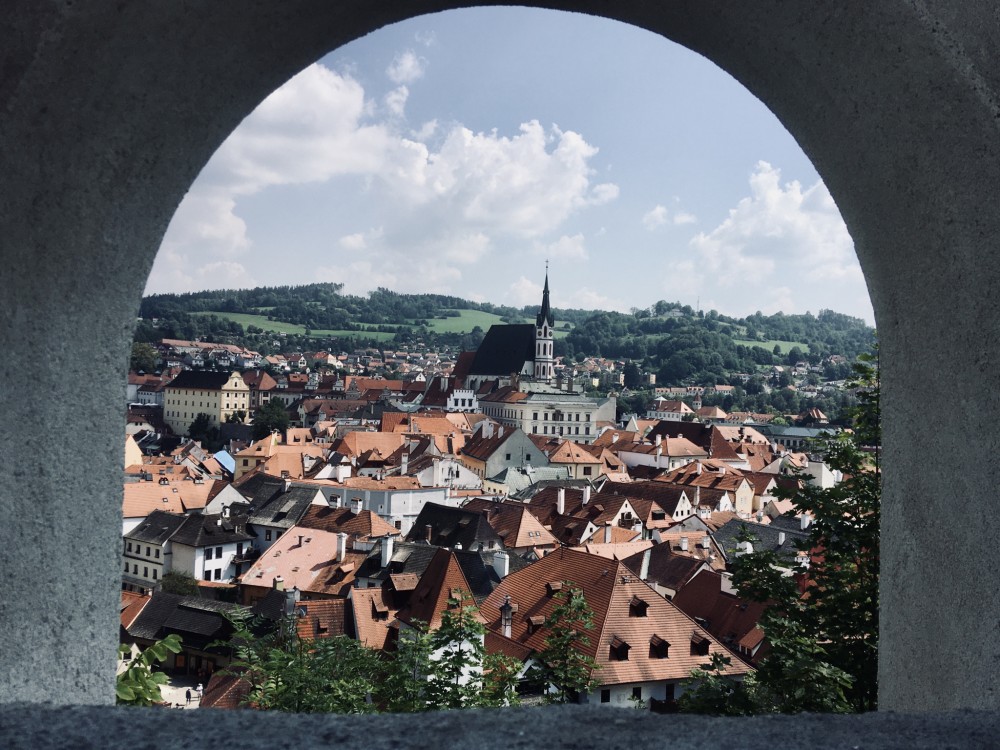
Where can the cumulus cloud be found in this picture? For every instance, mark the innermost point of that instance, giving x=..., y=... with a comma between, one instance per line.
x=783, y=247
x=523, y=292
x=656, y=217
x=452, y=200
x=682, y=217
x=780, y=225
x=395, y=100
x=406, y=67
x=565, y=248
x=590, y=299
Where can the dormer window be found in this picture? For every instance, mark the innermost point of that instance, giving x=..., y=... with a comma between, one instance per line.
x=637, y=607
x=658, y=648
x=618, y=650
x=534, y=623
x=553, y=587
x=699, y=644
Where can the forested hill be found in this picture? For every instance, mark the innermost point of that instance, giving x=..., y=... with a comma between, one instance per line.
x=673, y=340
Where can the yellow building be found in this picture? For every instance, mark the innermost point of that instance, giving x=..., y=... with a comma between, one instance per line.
x=217, y=394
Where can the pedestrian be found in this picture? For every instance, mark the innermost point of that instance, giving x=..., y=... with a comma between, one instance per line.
x=187, y=695
x=198, y=690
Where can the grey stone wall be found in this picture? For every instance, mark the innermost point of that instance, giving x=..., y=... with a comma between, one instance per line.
x=108, y=110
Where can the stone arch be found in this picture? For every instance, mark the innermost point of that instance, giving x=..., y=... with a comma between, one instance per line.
x=108, y=110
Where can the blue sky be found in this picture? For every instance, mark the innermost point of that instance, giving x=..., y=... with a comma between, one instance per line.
x=456, y=152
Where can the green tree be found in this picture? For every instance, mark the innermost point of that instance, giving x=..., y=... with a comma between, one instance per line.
x=269, y=417
x=139, y=684
x=711, y=691
x=563, y=670
x=286, y=673
x=456, y=677
x=824, y=643
x=178, y=582
x=402, y=683
x=144, y=357
x=237, y=417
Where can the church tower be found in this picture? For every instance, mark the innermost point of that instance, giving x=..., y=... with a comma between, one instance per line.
x=544, y=366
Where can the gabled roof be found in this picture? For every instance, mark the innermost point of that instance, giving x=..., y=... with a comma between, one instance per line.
x=453, y=526
x=365, y=525
x=320, y=618
x=307, y=559
x=610, y=590
x=198, y=621
x=200, y=380
x=665, y=568
x=732, y=620
x=373, y=613
x=281, y=504
x=158, y=527
x=504, y=350
x=513, y=523
x=442, y=580
x=142, y=498
x=202, y=531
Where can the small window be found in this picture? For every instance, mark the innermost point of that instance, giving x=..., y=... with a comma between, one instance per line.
x=208, y=575
x=157, y=553
x=208, y=553
x=587, y=469
x=218, y=553
x=154, y=574
x=637, y=693
x=148, y=553
x=658, y=648
x=637, y=607
x=145, y=572
x=527, y=456
x=126, y=566
x=218, y=573
x=129, y=546
x=267, y=535
x=606, y=696
x=135, y=569
x=618, y=650
x=507, y=457
x=699, y=645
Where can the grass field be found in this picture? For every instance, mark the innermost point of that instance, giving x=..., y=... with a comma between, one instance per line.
x=465, y=322
x=786, y=346
x=276, y=326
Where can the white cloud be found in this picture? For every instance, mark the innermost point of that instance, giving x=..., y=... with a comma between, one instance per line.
x=523, y=292
x=682, y=217
x=406, y=67
x=565, y=248
x=452, y=201
x=590, y=299
x=395, y=100
x=781, y=248
x=426, y=38
x=655, y=217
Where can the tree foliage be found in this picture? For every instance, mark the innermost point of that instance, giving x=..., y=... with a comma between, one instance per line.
x=139, y=684
x=179, y=582
x=821, y=626
x=144, y=358
x=271, y=416
x=563, y=670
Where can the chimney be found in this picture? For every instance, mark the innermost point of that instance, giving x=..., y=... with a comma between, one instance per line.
x=341, y=546
x=561, y=501
x=614, y=437
x=781, y=538
x=569, y=383
x=706, y=542
x=405, y=462
x=805, y=520
x=387, y=549
x=218, y=521
x=506, y=615
x=659, y=439
x=697, y=468
x=286, y=483
x=356, y=505
x=586, y=494
x=644, y=569
x=684, y=544
x=607, y=533
x=429, y=533
x=501, y=564
x=279, y=583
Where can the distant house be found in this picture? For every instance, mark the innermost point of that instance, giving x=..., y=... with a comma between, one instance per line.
x=217, y=394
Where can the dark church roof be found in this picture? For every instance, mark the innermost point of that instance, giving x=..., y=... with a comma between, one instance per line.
x=504, y=350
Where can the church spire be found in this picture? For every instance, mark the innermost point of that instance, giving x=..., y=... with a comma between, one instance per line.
x=545, y=314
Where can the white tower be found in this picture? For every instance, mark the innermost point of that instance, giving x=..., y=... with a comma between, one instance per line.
x=544, y=366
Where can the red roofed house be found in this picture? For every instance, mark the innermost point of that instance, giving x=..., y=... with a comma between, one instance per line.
x=644, y=646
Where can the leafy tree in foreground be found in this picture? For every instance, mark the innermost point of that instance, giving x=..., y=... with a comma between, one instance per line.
x=824, y=642
x=139, y=685
x=563, y=670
